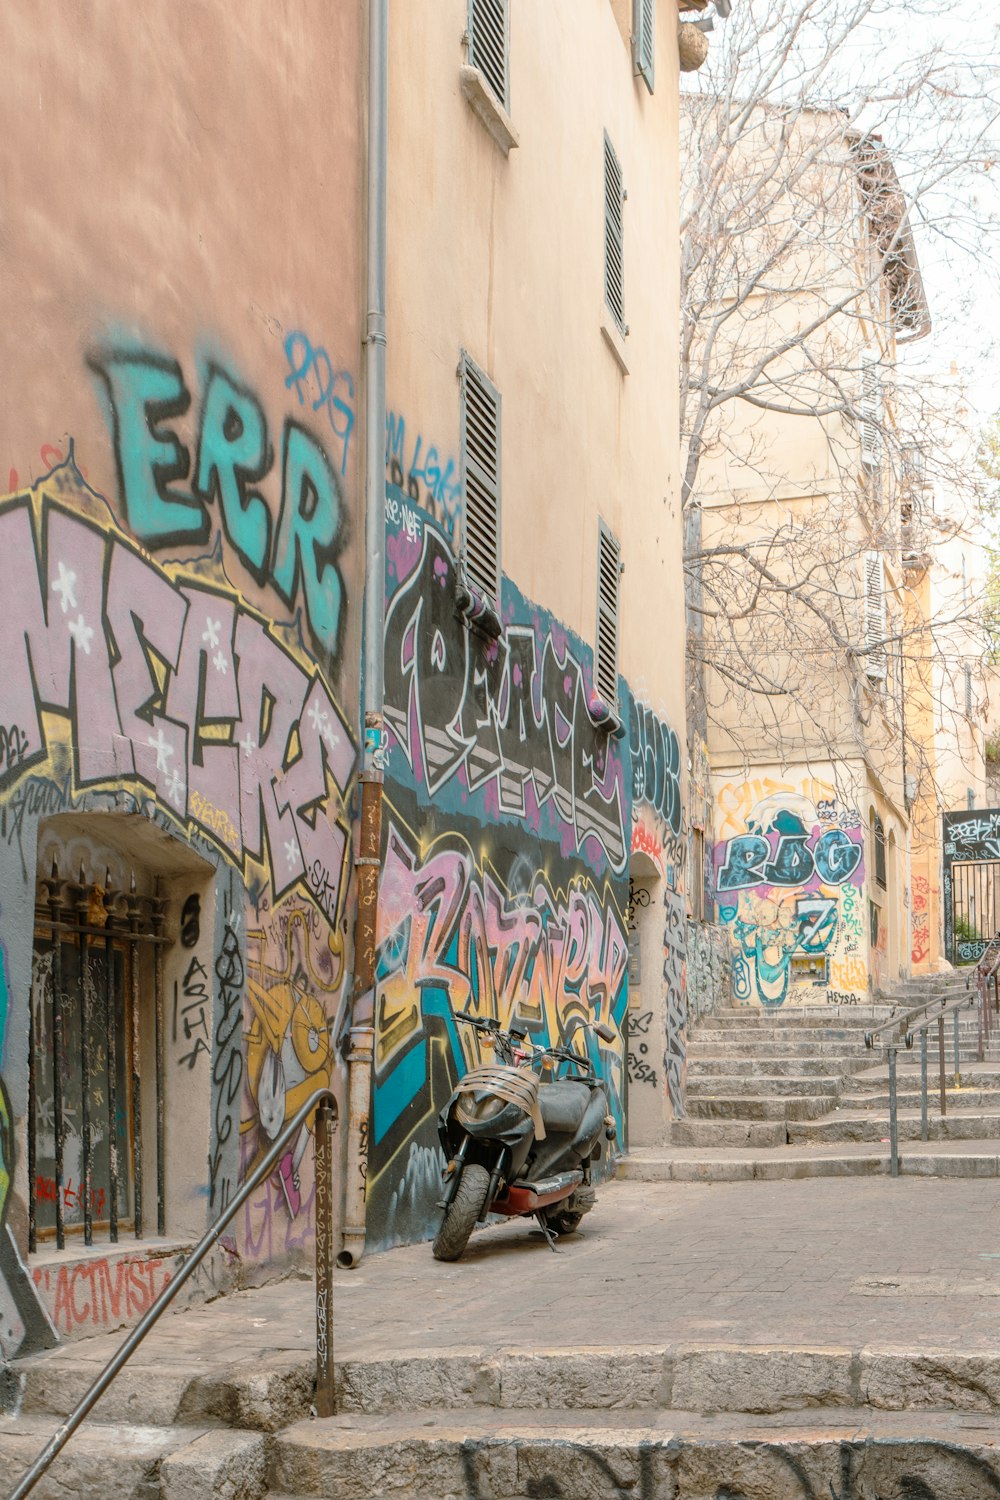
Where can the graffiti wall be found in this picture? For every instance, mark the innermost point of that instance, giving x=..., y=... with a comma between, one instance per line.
x=166, y=654
x=506, y=844
x=789, y=887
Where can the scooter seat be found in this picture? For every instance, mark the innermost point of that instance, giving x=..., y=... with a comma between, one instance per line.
x=563, y=1105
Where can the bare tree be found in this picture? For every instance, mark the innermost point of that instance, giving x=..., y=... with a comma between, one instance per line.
x=822, y=476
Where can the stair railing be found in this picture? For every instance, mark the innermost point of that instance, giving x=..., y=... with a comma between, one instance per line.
x=325, y=1105
x=916, y=1024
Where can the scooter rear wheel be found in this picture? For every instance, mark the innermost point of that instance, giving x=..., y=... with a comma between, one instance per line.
x=462, y=1213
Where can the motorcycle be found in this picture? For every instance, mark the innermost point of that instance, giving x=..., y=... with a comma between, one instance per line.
x=518, y=1146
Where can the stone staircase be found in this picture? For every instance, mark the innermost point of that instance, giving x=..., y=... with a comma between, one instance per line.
x=797, y=1094
x=698, y=1421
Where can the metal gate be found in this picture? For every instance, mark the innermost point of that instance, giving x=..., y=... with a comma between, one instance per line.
x=975, y=908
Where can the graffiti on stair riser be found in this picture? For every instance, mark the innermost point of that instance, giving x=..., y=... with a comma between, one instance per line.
x=860, y=1470
x=789, y=889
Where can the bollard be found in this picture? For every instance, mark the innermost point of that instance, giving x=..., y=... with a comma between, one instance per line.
x=958, y=1070
x=944, y=1097
x=924, y=1128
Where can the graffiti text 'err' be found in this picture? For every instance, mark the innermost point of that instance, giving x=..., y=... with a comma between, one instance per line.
x=297, y=554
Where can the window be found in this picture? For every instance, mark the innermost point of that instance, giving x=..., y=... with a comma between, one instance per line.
x=614, y=236
x=870, y=411
x=489, y=36
x=609, y=568
x=875, y=657
x=698, y=875
x=879, y=835
x=643, y=39
x=480, y=448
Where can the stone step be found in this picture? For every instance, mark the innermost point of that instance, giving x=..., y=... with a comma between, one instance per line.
x=848, y=1017
x=676, y=1163
x=760, y=1107
x=263, y=1395
x=147, y=1462
x=963, y=1125
x=853, y=1040
x=775, y=1086
x=729, y=1133
x=908, y=1096
x=602, y=1455
x=701, y=1046
x=753, y=1067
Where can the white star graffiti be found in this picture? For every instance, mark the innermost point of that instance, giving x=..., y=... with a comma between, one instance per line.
x=291, y=853
x=81, y=632
x=175, y=788
x=163, y=749
x=331, y=737
x=220, y=663
x=211, y=632
x=317, y=717
x=249, y=744
x=64, y=586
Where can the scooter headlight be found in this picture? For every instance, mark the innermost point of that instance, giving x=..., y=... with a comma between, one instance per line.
x=474, y=1109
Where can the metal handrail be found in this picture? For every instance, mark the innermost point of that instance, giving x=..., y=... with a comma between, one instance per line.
x=325, y=1104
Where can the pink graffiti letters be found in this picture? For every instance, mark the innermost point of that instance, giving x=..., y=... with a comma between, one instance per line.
x=173, y=685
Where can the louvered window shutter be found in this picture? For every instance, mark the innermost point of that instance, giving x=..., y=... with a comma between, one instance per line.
x=870, y=412
x=488, y=44
x=480, y=443
x=643, y=22
x=875, y=660
x=614, y=235
x=609, y=569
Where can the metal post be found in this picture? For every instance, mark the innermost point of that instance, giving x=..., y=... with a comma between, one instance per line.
x=82, y=911
x=326, y=1394
x=944, y=1096
x=157, y=924
x=32, y=1125
x=924, y=1128
x=57, y=1050
x=133, y=964
x=893, y=1132
x=958, y=1070
x=979, y=1020
x=111, y=1034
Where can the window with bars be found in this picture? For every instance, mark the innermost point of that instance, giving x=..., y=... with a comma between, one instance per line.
x=870, y=411
x=489, y=42
x=875, y=659
x=614, y=236
x=480, y=450
x=609, y=568
x=643, y=39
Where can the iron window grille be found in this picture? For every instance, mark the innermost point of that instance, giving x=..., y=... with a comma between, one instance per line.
x=489, y=45
x=91, y=961
x=480, y=457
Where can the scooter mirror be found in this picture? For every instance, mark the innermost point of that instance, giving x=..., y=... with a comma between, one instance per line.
x=604, y=1032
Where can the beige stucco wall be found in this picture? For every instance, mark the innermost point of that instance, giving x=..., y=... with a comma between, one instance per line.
x=514, y=274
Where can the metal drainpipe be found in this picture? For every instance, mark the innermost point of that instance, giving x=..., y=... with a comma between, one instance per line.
x=370, y=835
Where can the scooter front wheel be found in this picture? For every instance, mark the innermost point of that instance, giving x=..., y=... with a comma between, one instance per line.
x=462, y=1213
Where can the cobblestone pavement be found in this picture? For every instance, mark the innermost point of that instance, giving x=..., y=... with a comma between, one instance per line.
x=912, y=1263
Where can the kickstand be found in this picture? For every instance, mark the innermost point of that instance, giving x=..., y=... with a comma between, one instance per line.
x=550, y=1237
